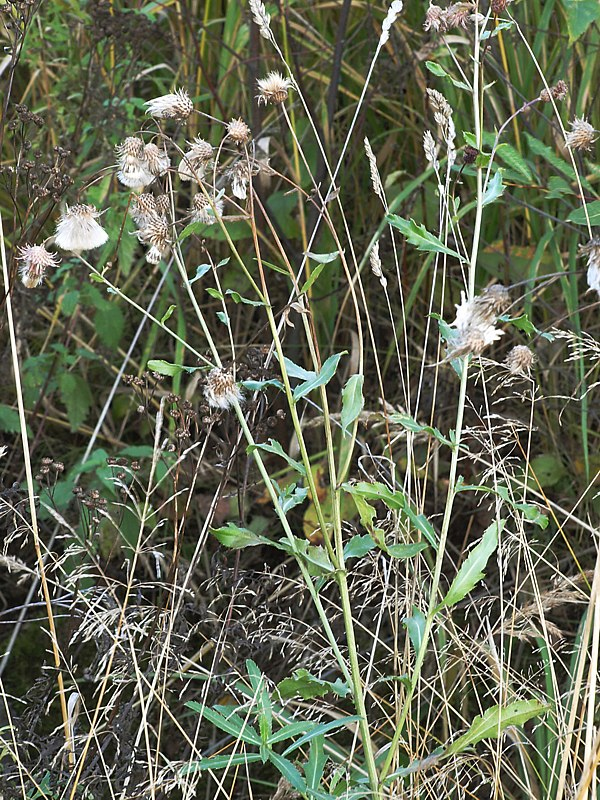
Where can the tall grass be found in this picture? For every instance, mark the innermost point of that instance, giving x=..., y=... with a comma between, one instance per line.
x=284, y=510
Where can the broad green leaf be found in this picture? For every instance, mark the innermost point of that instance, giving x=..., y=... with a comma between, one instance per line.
x=200, y=272
x=214, y=293
x=435, y=69
x=530, y=511
x=495, y=189
x=359, y=546
x=236, y=538
x=230, y=723
x=472, y=569
x=548, y=469
x=258, y=386
x=315, y=557
x=548, y=154
x=352, y=400
x=315, y=766
x=322, y=378
x=415, y=625
x=313, y=277
x=367, y=515
x=495, y=720
x=318, y=730
x=77, y=397
x=411, y=424
x=323, y=258
x=295, y=371
x=579, y=218
x=396, y=501
x=406, y=550
x=165, y=368
x=420, y=237
x=580, y=15
x=291, y=496
x=307, y=686
x=9, y=419
x=109, y=323
x=273, y=446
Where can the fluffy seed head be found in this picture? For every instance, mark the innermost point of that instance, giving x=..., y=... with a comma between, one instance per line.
x=194, y=162
x=460, y=15
x=581, y=136
x=475, y=321
x=557, y=92
x=77, y=229
x=520, y=360
x=163, y=204
x=134, y=170
x=273, y=89
x=435, y=19
x=155, y=232
x=239, y=176
x=142, y=207
x=176, y=105
x=158, y=161
x=592, y=251
x=238, y=132
x=221, y=390
x=202, y=211
x=36, y=260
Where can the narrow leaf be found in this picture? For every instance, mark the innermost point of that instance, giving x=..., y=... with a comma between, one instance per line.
x=274, y=447
x=472, y=569
x=236, y=538
x=495, y=189
x=420, y=237
x=352, y=400
x=322, y=378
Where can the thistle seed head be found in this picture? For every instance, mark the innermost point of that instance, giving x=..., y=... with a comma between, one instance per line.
x=581, y=136
x=203, y=212
x=158, y=161
x=77, y=229
x=520, y=360
x=273, y=89
x=142, y=207
x=557, y=92
x=238, y=132
x=176, y=105
x=592, y=251
x=221, y=390
x=435, y=19
x=36, y=260
x=134, y=170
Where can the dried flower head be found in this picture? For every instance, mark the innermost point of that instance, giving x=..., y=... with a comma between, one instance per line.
x=77, y=229
x=192, y=166
x=157, y=159
x=582, y=135
x=156, y=233
x=470, y=154
x=176, y=105
x=240, y=175
x=557, y=92
x=238, y=132
x=499, y=6
x=163, y=205
x=221, y=390
x=460, y=15
x=273, y=89
x=592, y=251
x=475, y=322
x=520, y=360
x=435, y=19
x=203, y=211
x=133, y=171
x=142, y=208
x=36, y=260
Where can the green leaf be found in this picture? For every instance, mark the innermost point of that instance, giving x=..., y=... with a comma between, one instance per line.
x=9, y=419
x=76, y=395
x=214, y=293
x=230, y=723
x=288, y=771
x=406, y=550
x=167, y=314
x=359, y=546
x=495, y=720
x=418, y=236
x=318, y=730
x=530, y=511
x=315, y=557
x=220, y=762
x=415, y=625
x=580, y=15
x=512, y=158
x=295, y=371
x=307, y=686
x=258, y=386
x=440, y=72
x=495, y=189
x=274, y=447
x=291, y=496
x=548, y=469
x=412, y=425
x=593, y=210
x=200, y=272
x=237, y=538
x=550, y=156
x=472, y=569
x=352, y=400
x=396, y=501
x=166, y=368
x=313, y=277
x=322, y=378
x=109, y=323
x=237, y=298
x=323, y=258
